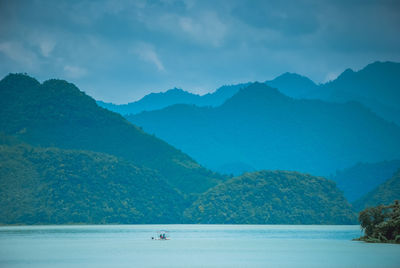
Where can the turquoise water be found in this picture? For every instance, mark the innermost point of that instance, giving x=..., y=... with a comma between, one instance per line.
x=192, y=246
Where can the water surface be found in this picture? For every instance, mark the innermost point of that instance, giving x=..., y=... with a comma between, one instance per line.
x=192, y=246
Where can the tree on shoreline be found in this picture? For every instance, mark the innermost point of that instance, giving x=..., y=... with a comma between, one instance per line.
x=381, y=224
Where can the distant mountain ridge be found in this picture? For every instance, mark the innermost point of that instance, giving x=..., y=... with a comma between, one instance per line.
x=155, y=101
x=262, y=128
x=376, y=86
x=293, y=85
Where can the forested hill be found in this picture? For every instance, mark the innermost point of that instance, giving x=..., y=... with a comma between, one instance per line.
x=272, y=197
x=56, y=113
x=358, y=180
x=384, y=194
x=58, y=186
x=55, y=186
x=264, y=129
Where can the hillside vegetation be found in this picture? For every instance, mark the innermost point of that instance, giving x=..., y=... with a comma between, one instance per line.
x=362, y=178
x=57, y=114
x=55, y=186
x=65, y=160
x=272, y=197
x=381, y=224
x=385, y=193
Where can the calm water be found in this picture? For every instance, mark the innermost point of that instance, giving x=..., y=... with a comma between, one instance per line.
x=192, y=246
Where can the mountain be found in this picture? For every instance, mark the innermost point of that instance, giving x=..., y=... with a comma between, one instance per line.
x=57, y=114
x=55, y=186
x=156, y=101
x=362, y=178
x=153, y=101
x=264, y=129
x=377, y=86
x=293, y=85
x=384, y=194
x=272, y=197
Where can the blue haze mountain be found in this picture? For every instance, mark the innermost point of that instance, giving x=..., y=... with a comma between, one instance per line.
x=384, y=194
x=155, y=101
x=358, y=180
x=376, y=86
x=65, y=160
x=293, y=85
x=264, y=129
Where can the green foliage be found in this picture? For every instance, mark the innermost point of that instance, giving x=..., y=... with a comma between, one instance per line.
x=57, y=114
x=272, y=197
x=383, y=194
x=381, y=223
x=55, y=186
x=85, y=164
x=358, y=180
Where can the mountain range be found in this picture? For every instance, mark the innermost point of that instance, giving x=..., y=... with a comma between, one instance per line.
x=376, y=86
x=65, y=160
x=265, y=129
x=57, y=114
x=155, y=101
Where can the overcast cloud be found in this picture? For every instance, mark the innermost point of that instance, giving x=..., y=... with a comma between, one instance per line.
x=121, y=50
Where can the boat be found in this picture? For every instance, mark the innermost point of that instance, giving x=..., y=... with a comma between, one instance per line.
x=161, y=235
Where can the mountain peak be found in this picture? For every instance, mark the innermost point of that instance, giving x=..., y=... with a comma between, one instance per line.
x=255, y=95
x=293, y=85
x=259, y=90
x=175, y=90
x=347, y=73
x=293, y=76
x=19, y=81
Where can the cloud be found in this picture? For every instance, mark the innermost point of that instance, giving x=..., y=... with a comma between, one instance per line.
x=74, y=71
x=46, y=47
x=286, y=17
x=206, y=28
x=18, y=53
x=137, y=46
x=146, y=52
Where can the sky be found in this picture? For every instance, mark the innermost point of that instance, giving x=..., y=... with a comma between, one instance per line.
x=119, y=51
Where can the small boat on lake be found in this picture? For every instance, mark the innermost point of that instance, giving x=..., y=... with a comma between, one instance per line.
x=161, y=235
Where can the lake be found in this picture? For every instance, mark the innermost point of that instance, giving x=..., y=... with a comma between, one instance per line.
x=192, y=246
